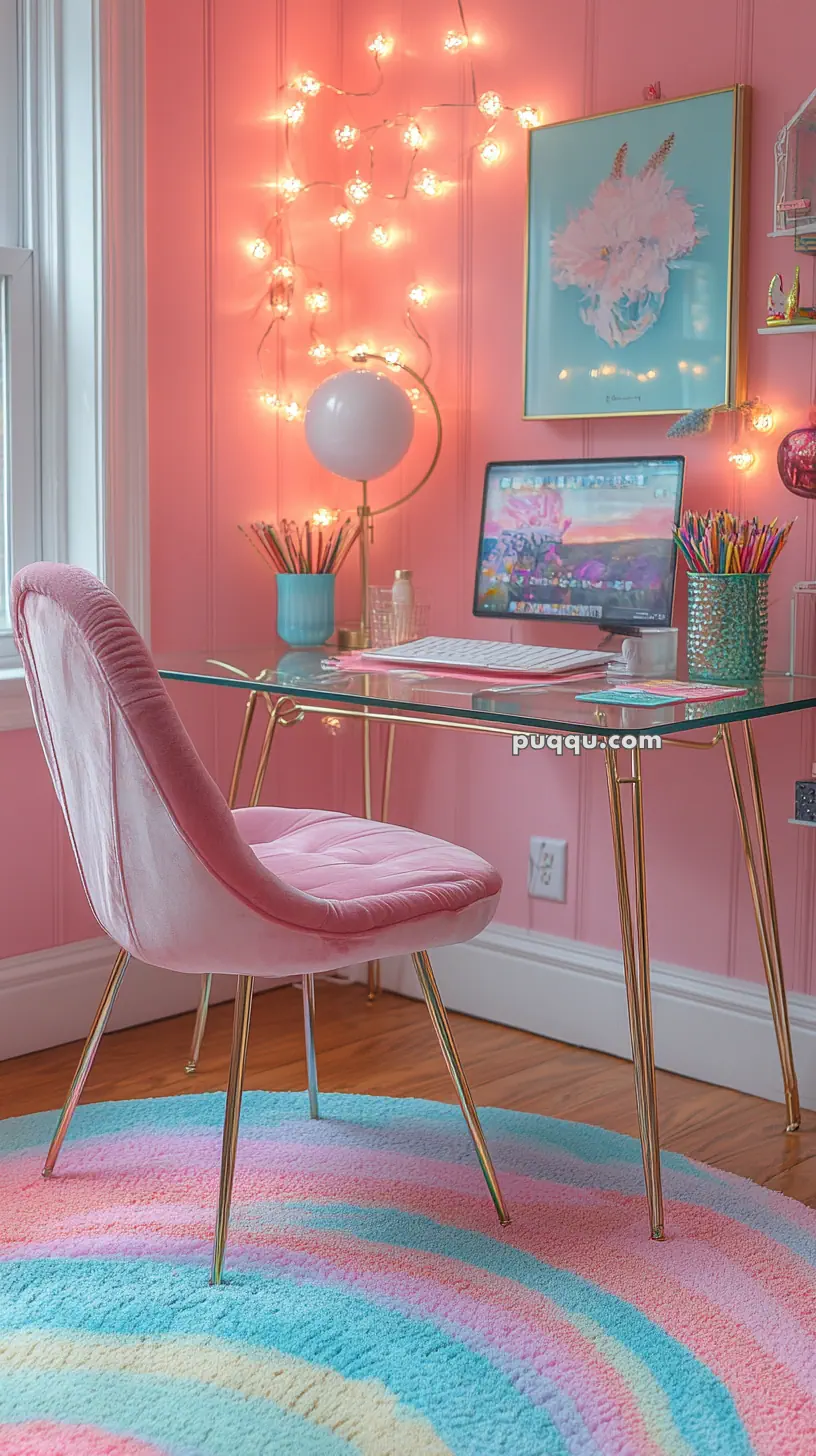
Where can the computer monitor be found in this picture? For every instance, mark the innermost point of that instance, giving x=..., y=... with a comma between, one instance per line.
x=580, y=541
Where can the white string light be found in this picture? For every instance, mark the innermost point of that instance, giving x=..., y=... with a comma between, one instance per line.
x=490, y=151
x=413, y=136
x=287, y=280
x=380, y=46
x=307, y=84
x=323, y=518
x=428, y=183
x=490, y=104
x=455, y=42
x=290, y=187
x=358, y=190
x=528, y=117
x=347, y=136
x=741, y=457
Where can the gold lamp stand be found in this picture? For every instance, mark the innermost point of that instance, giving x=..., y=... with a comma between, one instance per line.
x=353, y=639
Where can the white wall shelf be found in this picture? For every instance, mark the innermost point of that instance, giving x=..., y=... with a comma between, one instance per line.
x=790, y=329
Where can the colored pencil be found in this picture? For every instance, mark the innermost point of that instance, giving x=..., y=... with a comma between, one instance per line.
x=721, y=543
x=303, y=550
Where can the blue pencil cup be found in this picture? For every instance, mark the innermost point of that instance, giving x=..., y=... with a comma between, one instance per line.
x=306, y=608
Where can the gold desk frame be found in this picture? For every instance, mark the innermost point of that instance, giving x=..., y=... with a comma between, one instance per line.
x=630, y=874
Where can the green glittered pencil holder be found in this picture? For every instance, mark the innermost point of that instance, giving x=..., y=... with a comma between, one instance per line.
x=727, y=626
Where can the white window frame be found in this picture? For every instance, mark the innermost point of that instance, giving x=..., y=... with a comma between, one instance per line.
x=17, y=282
x=82, y=215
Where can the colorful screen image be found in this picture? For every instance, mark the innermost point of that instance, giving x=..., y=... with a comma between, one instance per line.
x=580, y=540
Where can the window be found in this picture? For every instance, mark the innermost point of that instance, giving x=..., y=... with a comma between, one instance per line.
x=73, y=389
x=19, y=534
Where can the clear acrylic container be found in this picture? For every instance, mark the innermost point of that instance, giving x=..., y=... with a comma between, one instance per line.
x=392, y=625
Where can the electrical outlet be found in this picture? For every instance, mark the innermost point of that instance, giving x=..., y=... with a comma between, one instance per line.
x=547, y=870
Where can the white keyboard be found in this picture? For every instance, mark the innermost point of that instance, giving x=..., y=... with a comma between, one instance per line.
x=508, y=657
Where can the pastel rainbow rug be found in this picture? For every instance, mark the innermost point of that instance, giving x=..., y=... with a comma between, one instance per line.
x=372, y=1303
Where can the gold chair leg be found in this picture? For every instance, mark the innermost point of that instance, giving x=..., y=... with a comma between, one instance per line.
x=439, y=1017
x=760, y=879
x=636, y=965
x=311, y=1055
x=232, y=1118
x=87, y=1059
x=200, y=1023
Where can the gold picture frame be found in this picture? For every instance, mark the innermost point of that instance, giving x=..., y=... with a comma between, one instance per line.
x=674, y=347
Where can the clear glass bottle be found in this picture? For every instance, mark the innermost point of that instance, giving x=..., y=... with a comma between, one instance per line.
x=402, y=597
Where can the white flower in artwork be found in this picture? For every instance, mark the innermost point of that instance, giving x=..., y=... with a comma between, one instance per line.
x=620, y=248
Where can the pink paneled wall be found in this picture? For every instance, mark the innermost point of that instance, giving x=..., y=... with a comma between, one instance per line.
x=218, y=457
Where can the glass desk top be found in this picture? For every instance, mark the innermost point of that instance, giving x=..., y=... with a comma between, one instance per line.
x=300, y=673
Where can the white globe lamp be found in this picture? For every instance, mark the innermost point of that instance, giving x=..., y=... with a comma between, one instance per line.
x=359, y=425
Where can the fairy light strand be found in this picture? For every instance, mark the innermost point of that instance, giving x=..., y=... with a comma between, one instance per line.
x=294, y=287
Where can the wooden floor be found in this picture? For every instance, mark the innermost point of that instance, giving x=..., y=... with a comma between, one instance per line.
x=389, y=1049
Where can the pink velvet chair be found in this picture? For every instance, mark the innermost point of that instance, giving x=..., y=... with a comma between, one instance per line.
x=179, y=880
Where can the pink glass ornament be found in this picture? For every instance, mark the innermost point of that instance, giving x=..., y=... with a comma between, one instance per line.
x=796, y=460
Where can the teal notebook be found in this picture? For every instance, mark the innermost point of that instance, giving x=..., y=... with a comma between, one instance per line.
x=628, y=698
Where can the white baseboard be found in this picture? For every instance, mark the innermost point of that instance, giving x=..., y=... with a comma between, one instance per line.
x=49, y=997
x=715, y=1028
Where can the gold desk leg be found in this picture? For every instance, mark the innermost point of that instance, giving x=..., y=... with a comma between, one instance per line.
x=760, y=879
x=311, y=1054
x=232, y=798
x=635, y=946
x=87, y=1059
x=232, y=1118
x=374, y=967
x=368, y=810
x=277, y=714
x=439, y=1017
x=235, y=781
x=388, y=771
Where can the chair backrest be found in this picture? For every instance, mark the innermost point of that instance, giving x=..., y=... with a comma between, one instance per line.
x=149, y=827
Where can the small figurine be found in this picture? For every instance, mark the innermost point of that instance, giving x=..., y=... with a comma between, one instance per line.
x=784, y=309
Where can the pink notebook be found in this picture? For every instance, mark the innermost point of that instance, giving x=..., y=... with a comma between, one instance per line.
x=689, y=692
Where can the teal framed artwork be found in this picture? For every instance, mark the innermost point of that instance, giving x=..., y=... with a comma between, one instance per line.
x=634, y=260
